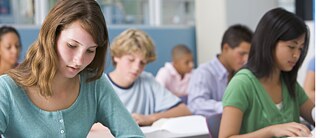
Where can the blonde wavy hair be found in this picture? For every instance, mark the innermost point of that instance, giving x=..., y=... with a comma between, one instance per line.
x=133, y=41
x=41, y=63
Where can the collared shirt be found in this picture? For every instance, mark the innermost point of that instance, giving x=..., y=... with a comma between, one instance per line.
x=206, y=88
x=171, y=79
x=96, y=102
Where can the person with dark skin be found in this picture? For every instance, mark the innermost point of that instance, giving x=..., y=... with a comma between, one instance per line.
x=10, y=47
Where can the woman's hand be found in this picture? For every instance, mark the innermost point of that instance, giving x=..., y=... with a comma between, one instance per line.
x=292, y=129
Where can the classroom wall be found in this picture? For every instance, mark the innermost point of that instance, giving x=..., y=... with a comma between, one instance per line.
x=213, y=17
x=165, y=38
x=247, y=12
x=211, y=22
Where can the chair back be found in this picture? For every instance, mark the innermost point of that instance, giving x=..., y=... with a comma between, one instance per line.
x=213, y=123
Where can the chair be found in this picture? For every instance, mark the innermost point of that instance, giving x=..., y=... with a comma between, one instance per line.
x=184, y=99
x=213, y=123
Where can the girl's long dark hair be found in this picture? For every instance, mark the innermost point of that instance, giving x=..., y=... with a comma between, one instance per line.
x=277, y=24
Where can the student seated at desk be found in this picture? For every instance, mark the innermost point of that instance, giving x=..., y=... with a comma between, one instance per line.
x=264, y=99
x=175, y=75
x=209, y=81
x=143, y=96
x=60, y=90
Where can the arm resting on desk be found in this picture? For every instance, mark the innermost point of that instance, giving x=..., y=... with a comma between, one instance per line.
x=145, y=120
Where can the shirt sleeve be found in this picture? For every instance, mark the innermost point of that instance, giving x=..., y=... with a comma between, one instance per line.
x=301, y=95
x=164, y=99
x=199, y=95
x=4, y=106
x=237, y=93
x=113, y=114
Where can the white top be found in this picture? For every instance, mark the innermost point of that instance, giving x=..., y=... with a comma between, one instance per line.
x=279, y=105
x=171, y=79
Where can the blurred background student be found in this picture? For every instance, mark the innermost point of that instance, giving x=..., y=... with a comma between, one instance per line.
x=10, y=47
x=209, y=81
x=309, y=83
x=175, y=75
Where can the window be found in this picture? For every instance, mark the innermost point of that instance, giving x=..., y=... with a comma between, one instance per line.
x=124, y=11
x=177, y=12
x=116, y=12
x=148, y=12
x=16, y=11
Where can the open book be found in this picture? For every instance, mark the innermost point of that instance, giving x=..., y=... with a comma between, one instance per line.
x=187, y=126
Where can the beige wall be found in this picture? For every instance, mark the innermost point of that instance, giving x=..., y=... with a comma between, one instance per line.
x=213, y=17
x=210, y=25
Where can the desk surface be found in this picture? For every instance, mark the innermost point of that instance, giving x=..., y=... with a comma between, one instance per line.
x=186, y=127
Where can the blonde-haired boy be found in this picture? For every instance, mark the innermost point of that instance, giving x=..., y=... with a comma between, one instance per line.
x=143, y=96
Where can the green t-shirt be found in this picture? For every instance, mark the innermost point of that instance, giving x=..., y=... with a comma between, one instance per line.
x=247, y=93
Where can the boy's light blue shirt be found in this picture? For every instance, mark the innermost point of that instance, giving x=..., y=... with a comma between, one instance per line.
x=146, y=96
x=97, y=102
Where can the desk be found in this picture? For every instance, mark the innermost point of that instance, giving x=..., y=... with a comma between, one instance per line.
x=179, y=127
x=166, y=134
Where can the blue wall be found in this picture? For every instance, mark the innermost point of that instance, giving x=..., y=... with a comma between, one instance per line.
x=165, y=38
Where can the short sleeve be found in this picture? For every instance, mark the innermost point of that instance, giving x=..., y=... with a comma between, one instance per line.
x=164, y=99
x=237, y=93
x=4, y=105
x=112, y=113
x=301, y=95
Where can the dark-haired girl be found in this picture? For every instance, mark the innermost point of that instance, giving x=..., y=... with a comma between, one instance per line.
x=264, y=99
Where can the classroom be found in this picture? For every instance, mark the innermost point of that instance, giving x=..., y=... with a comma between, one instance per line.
x=158, y=68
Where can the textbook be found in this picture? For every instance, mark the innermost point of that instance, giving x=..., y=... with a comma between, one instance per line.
x=194, y=126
